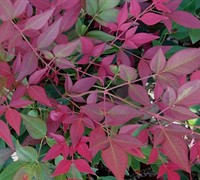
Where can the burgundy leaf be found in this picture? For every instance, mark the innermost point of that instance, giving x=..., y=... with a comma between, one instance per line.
x=49, y=34
x=38, y=93
x=14, y=119
x=127, y=73
x=5, y=134
x=38, y=21
x=139, y=94
x=116, y=160
x=29, y=65
x=63, y=63
x=37, y=76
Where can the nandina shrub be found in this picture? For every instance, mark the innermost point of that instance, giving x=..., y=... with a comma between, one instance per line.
x=87, y=84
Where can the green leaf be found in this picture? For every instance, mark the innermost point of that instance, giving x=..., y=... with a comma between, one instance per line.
x=138, y=130
x=135, y=164
x=10, y=170
x=91, y=7
x=26, y=154
x=194, y=35
x=100, y=35
x=42, y=172
x=25, y=171
x=109, y=15
x=108, y=178
x=35, y=126
x=107, y=4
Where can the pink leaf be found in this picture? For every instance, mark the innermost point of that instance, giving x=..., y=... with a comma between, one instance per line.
x=17, y=64
x=168, y=79
x=152, y=18
x=121, y=114
x=5, y=134
x=139, y=94
x=135, y=8
x=116, y=160
x=6, y=31
x=58, y=138
x=63, y=63
x=49, y=34
x=142, y=38
x=76, y=132
x=53, y=152
x=19, y=7
x=83, y=85
x=37, y=76
x=62, y=167
x=185, y=19
x=64, y=50
x=131, y=32
x=14, y=119
x=190, y=61
x=188, y=94
x=83, y=166
x=5, y=69
x=29, y=65
x=123, y=15
x=153, y=156
x=6, y=10
x=127, y=73
x=169, y=96
x=86, y=45
x=195, y=75
x=38, y=21
x=158, y=62
x=38, y=93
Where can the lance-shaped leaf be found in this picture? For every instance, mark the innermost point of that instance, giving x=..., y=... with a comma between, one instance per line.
x=37, y=76
x=38, y=21
x=185, y=19
x=35, y=126
x=188, y=94
x=29, y=65
x=19, y=7
x=5, y=134
x=123, y=15
x=14, y=119
x=176, y=149
x=49, y=34
x=116, y=160
x=158, y=62
x=127, y=73
x=152, y=18
x=86, y=45
x=63, y=63
x=64, y=50
x=91, y=7
x=135, y=8
x=83, y=166
x=62, y=167
x=20, y=103
x=139, y=94
x=6, y=10
x=183, y=62
x=121, y=114
x=54, y=152
x=38, y=93
x=105, y=4
x=105, y=37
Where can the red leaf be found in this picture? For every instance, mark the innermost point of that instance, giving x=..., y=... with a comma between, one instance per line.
x=20, y=103
x=49, y=34
x=62, y=167
x=63, y=63
x=185, y=19
x=64, y=50
x=76, y=132
x=98, y=140
x=14, y=119
x=58, y=138
x=84, y=151
x=190, y=61
x=19, y=7
x=38, y=21
x=139, y=94
x=142, y=38
x=123, y=15
x=176, y=149
x=37, y=76
x=153, y=156
x=5, y=69
x=158, y=62
x=135, y=8
x=188, y=94
x=6, y=10
x=152, y=18
x=53, y=152
x=127, y=141
x=6, y=31
x=38, y=93
x=17, y=64
x=5, y=134
x=29, y=65
x=83, y=85
x=121, y=114
x=83, y=166
x=116, y=160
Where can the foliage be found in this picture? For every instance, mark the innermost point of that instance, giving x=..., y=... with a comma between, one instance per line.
x=85, y=82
